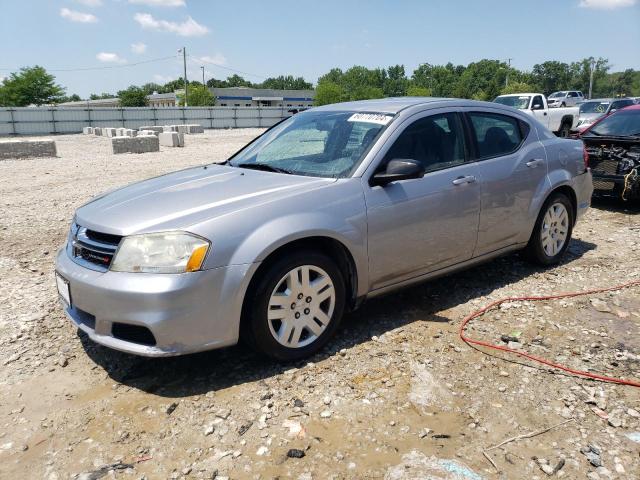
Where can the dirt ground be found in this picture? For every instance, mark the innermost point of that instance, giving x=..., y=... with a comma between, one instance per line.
x=396, y=395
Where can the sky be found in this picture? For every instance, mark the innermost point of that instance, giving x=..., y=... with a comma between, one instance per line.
x=95, y=46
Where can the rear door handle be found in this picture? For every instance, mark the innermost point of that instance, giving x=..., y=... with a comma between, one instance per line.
x=463, y=180
x=535, y=162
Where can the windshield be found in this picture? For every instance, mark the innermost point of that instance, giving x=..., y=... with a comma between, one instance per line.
x=620, y=124
x=317, y=144
x=521, y=102
x=557, y=94
x=594, y=107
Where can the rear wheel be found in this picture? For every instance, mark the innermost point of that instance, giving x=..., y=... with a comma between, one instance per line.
x=552, y=231
x=296, y=307
x=563, y=104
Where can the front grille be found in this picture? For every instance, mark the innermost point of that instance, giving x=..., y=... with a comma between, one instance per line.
x=94, y=247
x=603, y=185
x=604, y=167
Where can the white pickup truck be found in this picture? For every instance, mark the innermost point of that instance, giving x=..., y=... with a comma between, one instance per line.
x=559, y=120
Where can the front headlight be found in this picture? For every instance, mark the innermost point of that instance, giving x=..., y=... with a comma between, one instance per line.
x=168, y=252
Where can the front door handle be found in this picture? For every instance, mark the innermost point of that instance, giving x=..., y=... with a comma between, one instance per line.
x=463, y=180
x=535, y=162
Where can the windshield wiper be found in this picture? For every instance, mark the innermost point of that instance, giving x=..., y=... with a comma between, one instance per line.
x=265, y=167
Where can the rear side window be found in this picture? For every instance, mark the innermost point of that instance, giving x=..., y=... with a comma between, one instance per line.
x=496, y=134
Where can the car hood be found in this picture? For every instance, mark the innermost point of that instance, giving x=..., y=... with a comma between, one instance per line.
x=187, y=197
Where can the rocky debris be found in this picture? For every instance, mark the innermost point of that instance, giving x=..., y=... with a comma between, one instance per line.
x=593, y=455
x=395, y=379
x=295, y=453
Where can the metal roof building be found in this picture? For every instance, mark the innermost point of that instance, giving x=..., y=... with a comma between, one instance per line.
x=264, y=97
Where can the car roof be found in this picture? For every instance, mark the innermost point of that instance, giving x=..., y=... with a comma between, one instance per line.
x=394, y=105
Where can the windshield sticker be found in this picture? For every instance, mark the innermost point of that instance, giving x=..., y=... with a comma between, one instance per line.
x=379, y=118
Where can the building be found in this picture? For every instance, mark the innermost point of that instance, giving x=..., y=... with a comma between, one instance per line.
x=162, y=100
x=263, y=97
x=225, y=97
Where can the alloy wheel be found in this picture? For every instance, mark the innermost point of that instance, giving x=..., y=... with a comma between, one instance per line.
x=555, y=228
x=301, y=306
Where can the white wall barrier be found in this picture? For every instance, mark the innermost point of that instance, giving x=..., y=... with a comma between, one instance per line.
x=58, y=120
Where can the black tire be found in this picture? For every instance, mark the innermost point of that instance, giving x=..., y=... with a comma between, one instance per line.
x=563, y=104
x=534, y=251
x=255, y=329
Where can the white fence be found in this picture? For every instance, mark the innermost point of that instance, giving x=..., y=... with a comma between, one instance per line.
x=56, y=120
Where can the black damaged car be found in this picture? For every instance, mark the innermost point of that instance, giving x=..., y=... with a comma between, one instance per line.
x=613, y=147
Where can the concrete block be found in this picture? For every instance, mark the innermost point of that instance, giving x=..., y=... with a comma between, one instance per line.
x=120, y=132
x=109, y=132
x=27, y=148
x=140, y=144
x=182, y=128
x=87, y=130
x=171, y=139
x=97, y=131
x=128, y=132
x=170, y=128
x=195, y=129
x=153, y=128
x=142, y=133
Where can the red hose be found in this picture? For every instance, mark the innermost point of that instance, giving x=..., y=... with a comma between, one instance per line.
x=582, y=373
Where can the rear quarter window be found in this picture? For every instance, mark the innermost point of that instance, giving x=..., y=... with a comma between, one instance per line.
x=495, y=134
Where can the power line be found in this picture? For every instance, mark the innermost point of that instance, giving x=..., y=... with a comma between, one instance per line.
x=202, y=60
x=104, y=67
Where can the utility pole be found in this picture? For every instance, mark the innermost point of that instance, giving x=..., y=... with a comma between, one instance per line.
x=186, y=84
x=203, y=84
x=593, y=64
x=506, y=80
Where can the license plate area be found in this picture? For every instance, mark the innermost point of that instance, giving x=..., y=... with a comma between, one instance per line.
x=63, y=289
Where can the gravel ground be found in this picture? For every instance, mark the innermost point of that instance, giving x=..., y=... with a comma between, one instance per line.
x=395, y=396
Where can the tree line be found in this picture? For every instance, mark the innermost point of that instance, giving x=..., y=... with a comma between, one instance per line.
x=482, y=80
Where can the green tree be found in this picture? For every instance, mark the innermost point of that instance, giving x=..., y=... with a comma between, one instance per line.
x=517, y=87
x=581, y=73
x=30, y=86
x=100, y=96
x=416, y=91
x=482, y=80
x=440, y=79
x=396, y=83
x=328, y=92
x=133, y=97
x=286, y=83
x=199, y=96
x=552, y=76
x=71, y=98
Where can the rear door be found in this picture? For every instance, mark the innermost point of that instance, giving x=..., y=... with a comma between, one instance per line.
x=422, y=225
x=512, y=168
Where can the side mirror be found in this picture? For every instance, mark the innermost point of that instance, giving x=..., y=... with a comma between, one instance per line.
x=537, y=106
x=398, y=169
x=613, y=110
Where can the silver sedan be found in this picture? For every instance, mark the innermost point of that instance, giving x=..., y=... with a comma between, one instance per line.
x=326, y=209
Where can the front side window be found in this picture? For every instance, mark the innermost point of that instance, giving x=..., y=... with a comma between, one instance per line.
x=436, y=141
x=317, y=144
x=495, y=134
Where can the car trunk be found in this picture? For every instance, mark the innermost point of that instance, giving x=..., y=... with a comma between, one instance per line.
x=615, y=165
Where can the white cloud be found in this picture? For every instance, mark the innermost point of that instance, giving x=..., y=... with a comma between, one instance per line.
x=160, y=3
x=218, y=59
x=138, y=47
x=108, y=57
x=188, y=28
x=90, y=3
x=606, y=4
x=80, y=17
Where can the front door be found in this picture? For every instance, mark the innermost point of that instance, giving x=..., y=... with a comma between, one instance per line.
x=422, y=225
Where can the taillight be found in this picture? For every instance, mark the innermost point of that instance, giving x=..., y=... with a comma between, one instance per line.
x=585, y=158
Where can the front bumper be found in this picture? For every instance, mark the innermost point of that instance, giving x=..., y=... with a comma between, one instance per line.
x=185, y=313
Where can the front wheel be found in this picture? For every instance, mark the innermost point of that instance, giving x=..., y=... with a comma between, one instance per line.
x=563, y=104
x=552, y=231
x=565, y=130
x=296, y=307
